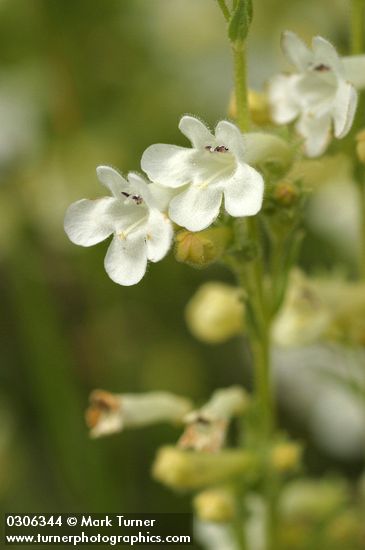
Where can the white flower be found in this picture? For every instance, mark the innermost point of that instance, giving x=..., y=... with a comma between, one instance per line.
x=140, y=231
x=216, y=166
x=320, y=94
x=110, y=412
x=207, y=427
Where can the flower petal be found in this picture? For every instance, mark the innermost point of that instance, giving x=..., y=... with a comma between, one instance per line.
x=196, y=131
x=243, y=192
x=344, y=108
x=139, y=186
x=162, y=195
x=324, y=52
x=126, y=259
x=109, y=177
x=159, y=236
x=283, y=101
x=168, y=165
x=316, y=132
x=295, y=50
x=90, y=222
x=263, y=147
x=228, y=134
x=355, y=70
x=196, y=208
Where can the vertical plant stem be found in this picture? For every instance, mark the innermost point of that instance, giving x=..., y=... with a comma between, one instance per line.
x=260, y=334
x=362, y=222
x=240, y=86
x=357, y=26
x=238, y=525
x=259, y=330
x=358, y=47
x=260, y=344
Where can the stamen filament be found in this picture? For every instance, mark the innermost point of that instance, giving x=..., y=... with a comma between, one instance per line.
x=124, y=234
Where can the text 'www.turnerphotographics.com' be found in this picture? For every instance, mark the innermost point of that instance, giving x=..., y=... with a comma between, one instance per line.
x=108, y=529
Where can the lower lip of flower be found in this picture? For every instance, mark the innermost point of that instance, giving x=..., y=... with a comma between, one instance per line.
x=124, y=234
x=203, y=185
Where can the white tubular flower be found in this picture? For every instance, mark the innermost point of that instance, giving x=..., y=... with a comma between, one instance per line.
x=216, y=166
x=320, y=94
x=109, y=413
x=206, y=428
x=140, y=231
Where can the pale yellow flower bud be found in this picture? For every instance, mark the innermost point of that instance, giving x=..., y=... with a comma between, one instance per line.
x=191, y=470
x=360, y=146
x=109, y=413
x=312, y=498
x=215, y=313
x=304, y=316
x=216, y=505
x=346, y=302
x=202, y=248
x=258, y=105
x=285, y=457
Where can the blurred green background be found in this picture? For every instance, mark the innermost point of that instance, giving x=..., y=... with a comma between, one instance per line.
x=82, y=83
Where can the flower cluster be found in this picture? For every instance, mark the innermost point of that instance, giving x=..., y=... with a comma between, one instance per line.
x=188, y=183
x=221, y=171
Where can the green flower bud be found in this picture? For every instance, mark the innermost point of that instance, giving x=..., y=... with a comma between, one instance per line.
x=285, y=194
x=217, y=505
x=360, y=146
x=203, y=248
x=180, y=469
x=285, y=457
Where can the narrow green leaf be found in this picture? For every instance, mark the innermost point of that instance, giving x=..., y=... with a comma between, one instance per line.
x=240, y=21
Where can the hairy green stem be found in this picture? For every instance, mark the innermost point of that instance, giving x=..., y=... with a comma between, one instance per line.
x=358, y=47
x=260, y=334
x=254, y=271
x=224, y=9
x=357, y=26
x=240, y=521
x=362, y=221
x=259, y=328
x=240, y=86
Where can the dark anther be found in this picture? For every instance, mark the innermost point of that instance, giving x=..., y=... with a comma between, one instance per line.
x=136, y=198
x=218, y=149
x=321, y=68
x=202, y=420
